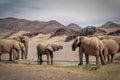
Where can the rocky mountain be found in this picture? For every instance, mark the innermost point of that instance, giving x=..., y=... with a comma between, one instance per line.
x=74, y=26
x=91, y=30
x=10, y=25
x=15, y=24
x=114, y=33
x=110, y=24
x=87, y=31
x=110, y=27
x=64, y=31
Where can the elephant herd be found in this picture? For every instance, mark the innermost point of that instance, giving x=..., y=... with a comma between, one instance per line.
x=16, y=47
x=103, y=48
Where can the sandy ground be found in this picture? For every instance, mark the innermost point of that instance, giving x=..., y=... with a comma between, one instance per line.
x=11, y=71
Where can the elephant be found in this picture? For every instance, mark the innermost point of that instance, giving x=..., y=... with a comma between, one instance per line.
x=12, y=47
x=47, y=49
x=112, y=49
x=89, y=46
x=25, y=41
x=22, y=49
x=116, y=38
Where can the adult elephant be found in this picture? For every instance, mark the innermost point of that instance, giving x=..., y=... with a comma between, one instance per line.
x=12, y=47
x=112, y=49
x=116, y=38
x=25, y=41
x=89, y=46
x=47, y=49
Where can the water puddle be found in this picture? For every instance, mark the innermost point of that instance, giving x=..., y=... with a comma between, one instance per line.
x=62, y=63
x=56, y=63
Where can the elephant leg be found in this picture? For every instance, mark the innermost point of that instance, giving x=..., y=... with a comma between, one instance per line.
x=14, y=56
x=47, y=59
x=102, y=59
x=26, y=54
x=108, y=56
x=18, y=55
x=105, y=53
x=51, y=55
x=104, y=56
x=22, y=55
x=0, y=56
x=10, y=54
x=112, y=57
x=80, y=58
x=87, y=59
x=97, y=60
x=40, y=59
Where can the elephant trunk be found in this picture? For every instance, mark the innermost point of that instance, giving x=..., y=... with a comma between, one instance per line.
x=26, y=50
x=74, y=45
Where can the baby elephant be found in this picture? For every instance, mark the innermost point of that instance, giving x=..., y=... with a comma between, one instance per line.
x=47, y=49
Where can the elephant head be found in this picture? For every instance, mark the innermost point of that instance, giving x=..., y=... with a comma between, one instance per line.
x=25, y=41
x=23, y=50
x=101, y=37
x=18, y=49
x=56, y=47
x=77, y=42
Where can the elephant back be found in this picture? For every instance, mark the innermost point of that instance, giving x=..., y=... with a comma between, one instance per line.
x=41, y=47
x=113, y=46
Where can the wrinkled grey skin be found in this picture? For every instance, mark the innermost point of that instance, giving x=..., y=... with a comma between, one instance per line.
x=12, y=47
x=25, y=41
x=90, y=46
x=112, y=49
x=47, y=49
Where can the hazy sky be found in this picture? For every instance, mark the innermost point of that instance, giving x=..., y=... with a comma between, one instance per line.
x=82, y=12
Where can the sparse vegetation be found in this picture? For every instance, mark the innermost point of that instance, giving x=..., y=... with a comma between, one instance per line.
x=90, y=67
x=83, y=67
x=118, y=58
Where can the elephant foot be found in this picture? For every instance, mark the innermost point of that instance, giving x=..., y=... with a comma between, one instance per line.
x=87, y=63
x=47, y=63
x=108, y=62
x=80, y=64
x=10, y=59
x=40, y=63
x=103, y=63
x=52, y=63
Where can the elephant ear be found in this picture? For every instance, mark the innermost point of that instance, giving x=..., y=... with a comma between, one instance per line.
x=50, y=48
x=17, y=38
x=21, y=45
x=24, y=39
x=56, y=47
x=75, y=44
x=60, y=47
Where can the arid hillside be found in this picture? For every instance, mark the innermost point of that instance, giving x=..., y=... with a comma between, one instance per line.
x=10, y=26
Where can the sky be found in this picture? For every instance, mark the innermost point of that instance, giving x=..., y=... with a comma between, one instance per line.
x=81, y=12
